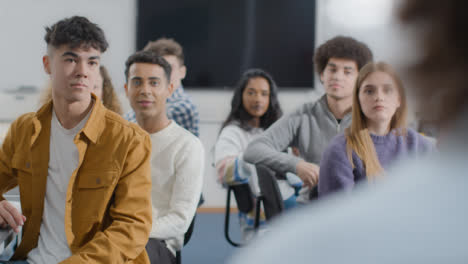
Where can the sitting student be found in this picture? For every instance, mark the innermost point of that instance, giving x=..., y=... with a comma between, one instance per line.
x=177, y=157
x=102, y=89
x=179, y=106
x=417, y=215
x=377, y=136
x=83, y=171
x=314, y=124
x=254, y=107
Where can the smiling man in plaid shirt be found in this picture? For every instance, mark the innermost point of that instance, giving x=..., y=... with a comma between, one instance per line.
x=180, y=107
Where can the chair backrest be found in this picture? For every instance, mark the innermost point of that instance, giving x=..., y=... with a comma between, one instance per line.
x=187, y=237
x=244, y=197
x=189, y=232
x=272, y=199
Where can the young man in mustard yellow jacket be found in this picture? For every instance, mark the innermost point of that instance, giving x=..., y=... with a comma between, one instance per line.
x=83, y=171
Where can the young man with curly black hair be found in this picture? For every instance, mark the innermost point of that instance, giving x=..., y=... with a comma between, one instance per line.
x=313, y=125
x=83, y=171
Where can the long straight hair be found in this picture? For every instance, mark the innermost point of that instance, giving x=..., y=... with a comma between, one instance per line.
x=238, y=113
x=109, y=96
x=357, y=135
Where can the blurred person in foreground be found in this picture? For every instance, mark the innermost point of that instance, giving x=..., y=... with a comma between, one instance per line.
x=419, y=214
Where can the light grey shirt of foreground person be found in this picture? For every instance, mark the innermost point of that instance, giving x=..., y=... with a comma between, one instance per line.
x=418, y=214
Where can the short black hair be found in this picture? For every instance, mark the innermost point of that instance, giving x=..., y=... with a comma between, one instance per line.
x=76, y=31
x=342, y=47
x=148, y=57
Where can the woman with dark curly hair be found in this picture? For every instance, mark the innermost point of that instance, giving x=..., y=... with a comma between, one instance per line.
x=313, y=125
x=102, y=89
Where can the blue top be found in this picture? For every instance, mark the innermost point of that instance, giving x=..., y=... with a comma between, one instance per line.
x=179, y=108
x=337, y=173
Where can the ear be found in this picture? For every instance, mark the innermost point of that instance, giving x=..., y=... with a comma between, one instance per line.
x=183, y=72
x=321, y=77
x=126, y=90
x=171, y=88
x=46, y=63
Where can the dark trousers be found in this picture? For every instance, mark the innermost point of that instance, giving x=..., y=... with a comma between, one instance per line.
x=158, y=252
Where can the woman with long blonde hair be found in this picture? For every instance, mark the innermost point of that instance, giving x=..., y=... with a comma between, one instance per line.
x=378, y=135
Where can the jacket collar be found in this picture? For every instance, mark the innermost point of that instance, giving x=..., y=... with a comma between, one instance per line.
x=95, y=124
x=42, y=119
x=92, y=129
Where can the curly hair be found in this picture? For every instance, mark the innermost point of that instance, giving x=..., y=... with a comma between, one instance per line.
x=440, y=73
x=238, y=113
x=344, y=48
x=109, y=97
x=166, y=47
x=76, y=31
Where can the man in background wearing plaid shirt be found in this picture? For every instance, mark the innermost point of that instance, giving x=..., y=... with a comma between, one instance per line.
x=180, y=107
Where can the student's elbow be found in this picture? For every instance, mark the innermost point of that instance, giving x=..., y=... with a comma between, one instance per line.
x=250, y=153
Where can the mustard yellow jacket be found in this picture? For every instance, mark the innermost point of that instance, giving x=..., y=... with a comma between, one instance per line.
x=108, y=200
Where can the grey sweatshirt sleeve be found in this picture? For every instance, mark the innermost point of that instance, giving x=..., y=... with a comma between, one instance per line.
x=267, y=148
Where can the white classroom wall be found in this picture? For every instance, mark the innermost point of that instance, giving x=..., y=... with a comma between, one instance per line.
x=22, y=27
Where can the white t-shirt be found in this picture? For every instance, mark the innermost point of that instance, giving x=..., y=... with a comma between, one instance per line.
x=52, y=246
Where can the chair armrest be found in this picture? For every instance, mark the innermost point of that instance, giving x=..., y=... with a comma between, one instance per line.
x=5, y=233
x=8, y=243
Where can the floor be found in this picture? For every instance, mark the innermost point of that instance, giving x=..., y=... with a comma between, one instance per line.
x=208, y=244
